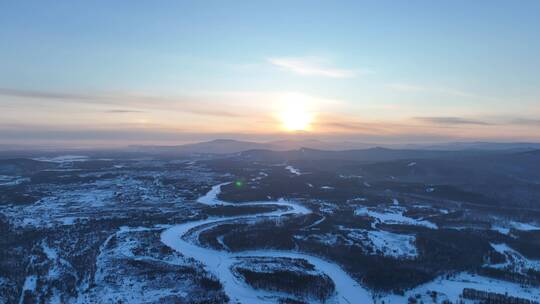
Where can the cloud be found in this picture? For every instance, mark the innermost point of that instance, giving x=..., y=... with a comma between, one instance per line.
x=218, y=113
x=310, y=66
x=452, y=121
x=197, y=105
x=123, y=111
x=350, y=126
x=508, y=121
x=525, y=121
x=41, y=94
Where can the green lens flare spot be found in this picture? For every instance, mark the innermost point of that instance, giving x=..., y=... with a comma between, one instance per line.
x=239, y=183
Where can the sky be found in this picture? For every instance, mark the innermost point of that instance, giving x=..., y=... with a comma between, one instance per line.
x=169, y=72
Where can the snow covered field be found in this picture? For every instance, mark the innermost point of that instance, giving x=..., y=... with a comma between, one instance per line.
x=63, y=159
x=514, y=260
x=137, y=231
x=393, y=215
x=451, y=288
x=6, y=180
x=293, y=170
x=387, y=243
x=505, y=228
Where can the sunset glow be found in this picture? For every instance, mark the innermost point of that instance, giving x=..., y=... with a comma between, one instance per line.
x=237, y=71
x=296, y=118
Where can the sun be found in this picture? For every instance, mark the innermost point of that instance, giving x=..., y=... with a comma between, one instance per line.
x=296, y=118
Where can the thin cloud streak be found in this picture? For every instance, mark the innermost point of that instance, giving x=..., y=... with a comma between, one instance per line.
x=42, y=94
x=526, y=121
x=309, y=66
x=123, y=111
x=351, y=127
x=123, y=134
x=490, y=121
x=452, y=121
x=190, y=105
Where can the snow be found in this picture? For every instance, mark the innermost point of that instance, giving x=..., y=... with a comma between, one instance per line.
x=351, y=176
x=514, y=260
x=210, y=198
x=322, y=219
x=347, y=289
x=260, y=176
x=271, y=264
x=393, y=244
x=61, y=208
x=393, y=215
x=63, y=170
x=222, y=243
x=524, y=226
x=507, y=227
x=330, y=239
x=386, y=243
x=127, y=246
x=6, y=180
x=501, y=230
x=63, y=159
x=67, y=203
x=430, y=190
x=57, y=265
x=293, y=170
x=220, y=262
x=137, y=291
x=411, y=164
x=49, y=252
x=29, y=285
x=453, y=287
x=327, y=208
x=70, y=220
x=359, y=199
x=54, y=270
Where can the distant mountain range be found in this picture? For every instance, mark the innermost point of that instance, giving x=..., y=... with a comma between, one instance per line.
x=310, y=148
x=376, y=154
x=231, y=146
x=486, y=146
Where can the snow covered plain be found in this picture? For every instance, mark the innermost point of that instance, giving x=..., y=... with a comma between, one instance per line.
x=147, y=194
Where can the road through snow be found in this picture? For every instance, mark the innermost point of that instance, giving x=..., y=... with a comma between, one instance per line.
x=219, y=262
